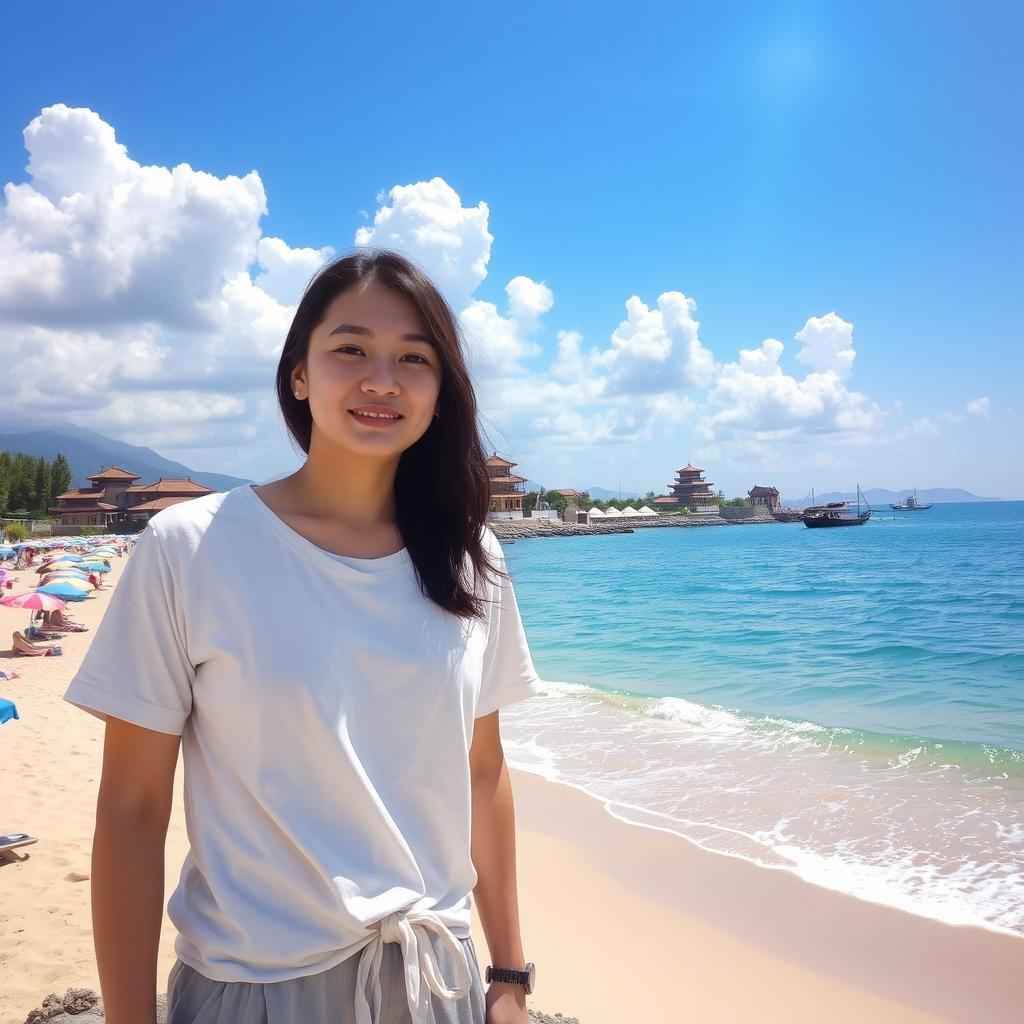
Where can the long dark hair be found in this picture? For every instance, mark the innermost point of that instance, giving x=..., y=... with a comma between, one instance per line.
x=442, y=493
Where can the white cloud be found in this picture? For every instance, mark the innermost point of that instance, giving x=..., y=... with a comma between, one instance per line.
x=496, y=344
x=73, y=150
x=979, y=407
x=528, y=300
x=754, y=397
x=570, y=362
x=656, y=350
x=827, y=345
x=286, y=271
x=126, y=294
x=427, y=222
x=114, y=241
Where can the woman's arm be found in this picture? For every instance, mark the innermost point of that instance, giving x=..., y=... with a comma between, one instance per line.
x=494, y=851
x=132, y=814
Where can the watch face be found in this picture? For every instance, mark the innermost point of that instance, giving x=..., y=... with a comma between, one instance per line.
x=533, y=975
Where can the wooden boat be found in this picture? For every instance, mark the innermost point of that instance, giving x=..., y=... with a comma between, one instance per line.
x=836, y=513
x=910, y=504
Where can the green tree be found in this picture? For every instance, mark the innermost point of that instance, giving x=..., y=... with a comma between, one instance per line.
x=21, y=497
x=5, y=478
x=41, y=488
x=60, y=478
x=557, y=501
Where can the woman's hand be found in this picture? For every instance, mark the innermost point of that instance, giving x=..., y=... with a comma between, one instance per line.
x=506, y=1004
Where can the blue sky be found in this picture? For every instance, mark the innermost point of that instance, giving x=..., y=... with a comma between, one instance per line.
x=771, y=162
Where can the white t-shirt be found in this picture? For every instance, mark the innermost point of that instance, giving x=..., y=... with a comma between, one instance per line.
x=326, y=709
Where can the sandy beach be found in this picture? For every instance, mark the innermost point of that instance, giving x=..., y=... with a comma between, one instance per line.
x=624, y=923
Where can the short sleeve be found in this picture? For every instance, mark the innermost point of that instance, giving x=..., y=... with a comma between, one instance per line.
x=508, y=673
x=137, y=667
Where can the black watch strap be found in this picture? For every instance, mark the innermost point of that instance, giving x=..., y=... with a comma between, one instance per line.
x=511, y=975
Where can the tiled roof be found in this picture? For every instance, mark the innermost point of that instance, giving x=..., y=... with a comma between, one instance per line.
x=113, y=473
x=83, y=493
x=96, y=506
x=157, y=504
x=172, y=485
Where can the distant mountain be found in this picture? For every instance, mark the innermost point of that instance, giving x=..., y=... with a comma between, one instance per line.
x=89, y=452
x=880, y=496
x=605, y=495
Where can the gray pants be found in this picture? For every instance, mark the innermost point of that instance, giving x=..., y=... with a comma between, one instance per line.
x=324, y=998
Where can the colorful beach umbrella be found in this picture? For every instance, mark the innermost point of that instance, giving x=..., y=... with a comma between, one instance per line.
x=62, y=590
x=70, y=581
x=34, y=601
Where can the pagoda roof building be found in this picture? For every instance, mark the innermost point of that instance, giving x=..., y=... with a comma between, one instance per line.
x=506, y=494
x=691, y=490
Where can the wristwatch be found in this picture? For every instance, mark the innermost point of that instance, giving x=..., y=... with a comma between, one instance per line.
x=527, y=977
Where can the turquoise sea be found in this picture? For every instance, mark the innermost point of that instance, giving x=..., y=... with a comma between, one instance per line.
x=844, y=704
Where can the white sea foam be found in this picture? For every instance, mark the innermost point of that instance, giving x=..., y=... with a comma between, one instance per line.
x=889, y=826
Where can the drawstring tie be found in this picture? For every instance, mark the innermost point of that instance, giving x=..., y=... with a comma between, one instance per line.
x=418, y=961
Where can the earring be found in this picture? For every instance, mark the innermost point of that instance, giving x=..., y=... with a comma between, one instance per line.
x=437, y=415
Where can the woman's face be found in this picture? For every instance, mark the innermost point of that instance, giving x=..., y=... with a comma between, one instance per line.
x=372, y=349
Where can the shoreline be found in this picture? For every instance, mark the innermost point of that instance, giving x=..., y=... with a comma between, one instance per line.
x=527, y=529
x=823, y=954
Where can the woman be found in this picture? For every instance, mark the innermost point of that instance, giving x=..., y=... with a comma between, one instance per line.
x=330, y=650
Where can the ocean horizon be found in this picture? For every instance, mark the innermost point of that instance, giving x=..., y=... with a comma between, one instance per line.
x=842, y=704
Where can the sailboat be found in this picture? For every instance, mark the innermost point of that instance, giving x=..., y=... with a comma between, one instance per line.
x=910, y=504
x=836, y=513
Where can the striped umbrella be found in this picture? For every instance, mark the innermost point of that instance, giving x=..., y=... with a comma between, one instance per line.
x=34, y=600
x=62, y=590
x=84, y=585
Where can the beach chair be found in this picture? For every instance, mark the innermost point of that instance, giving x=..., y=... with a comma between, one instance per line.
x=23, y=646
x=13, y=839
x=10, y=842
